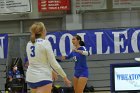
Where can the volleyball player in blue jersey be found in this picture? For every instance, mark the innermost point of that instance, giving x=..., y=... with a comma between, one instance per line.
x=81, y=69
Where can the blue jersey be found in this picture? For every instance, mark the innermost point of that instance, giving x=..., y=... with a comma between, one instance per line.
x=80, y=59
x=15, y=74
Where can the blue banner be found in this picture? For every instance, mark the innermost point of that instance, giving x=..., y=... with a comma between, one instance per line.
x=3, y=46
x=105, y=41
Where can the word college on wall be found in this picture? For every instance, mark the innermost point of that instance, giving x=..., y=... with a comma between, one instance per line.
x=104, y=41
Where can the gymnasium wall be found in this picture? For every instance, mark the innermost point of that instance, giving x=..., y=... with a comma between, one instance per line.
x=89, y=20
x=99, y=65
x=114, y=19
x=17, y=25
x=2, y=73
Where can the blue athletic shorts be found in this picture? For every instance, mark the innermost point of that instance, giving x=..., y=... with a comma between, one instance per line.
x=81, y=73
x=39, y=84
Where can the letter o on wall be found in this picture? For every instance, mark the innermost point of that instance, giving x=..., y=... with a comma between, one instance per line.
x=62, y=44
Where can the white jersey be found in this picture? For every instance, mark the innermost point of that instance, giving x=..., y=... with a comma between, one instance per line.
x=41, y=59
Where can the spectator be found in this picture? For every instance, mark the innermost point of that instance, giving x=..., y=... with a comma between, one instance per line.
x=14, y=73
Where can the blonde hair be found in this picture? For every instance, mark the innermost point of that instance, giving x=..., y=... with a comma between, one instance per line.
x=36, y=29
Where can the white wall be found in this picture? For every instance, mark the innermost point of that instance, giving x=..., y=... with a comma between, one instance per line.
x=60, y=21
x=9, y=27
x=13, y=23
x=111, y=19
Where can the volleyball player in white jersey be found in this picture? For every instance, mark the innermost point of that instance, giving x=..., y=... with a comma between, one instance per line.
x=41, y=59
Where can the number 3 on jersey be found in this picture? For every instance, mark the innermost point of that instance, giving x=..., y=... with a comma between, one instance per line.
x=32, y=51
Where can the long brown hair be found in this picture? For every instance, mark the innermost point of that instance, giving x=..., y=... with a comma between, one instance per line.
x=82, y=43
x=36, y=30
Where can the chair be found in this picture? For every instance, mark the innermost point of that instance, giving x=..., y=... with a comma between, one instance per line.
x=18, y=84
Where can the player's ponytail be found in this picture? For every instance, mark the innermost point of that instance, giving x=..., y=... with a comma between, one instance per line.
x=33, y=32
x=32, y=38
x=82, y=43
x=80, y=40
